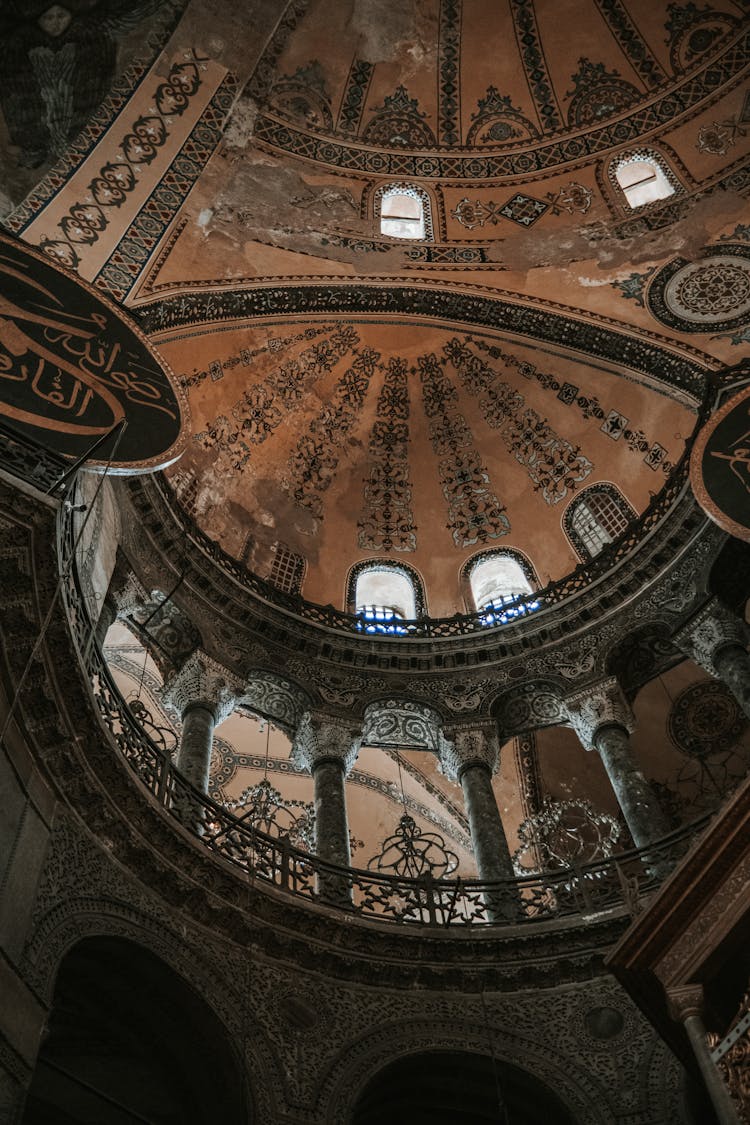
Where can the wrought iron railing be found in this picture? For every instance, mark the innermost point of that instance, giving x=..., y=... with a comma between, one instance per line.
x=584, y=576
x=617, y=883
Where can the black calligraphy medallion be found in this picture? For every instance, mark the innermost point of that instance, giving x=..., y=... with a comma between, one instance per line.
x=720, y=466
x=73, y=366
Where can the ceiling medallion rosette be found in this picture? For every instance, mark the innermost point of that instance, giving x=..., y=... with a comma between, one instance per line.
x=710, y=294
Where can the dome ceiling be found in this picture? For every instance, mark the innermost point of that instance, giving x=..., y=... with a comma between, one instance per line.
x=474, y=74
x=355, y=396
x=348, y=441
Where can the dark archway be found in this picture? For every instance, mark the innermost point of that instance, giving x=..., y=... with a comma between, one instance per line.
x=128, y=1041
x=457, y=1088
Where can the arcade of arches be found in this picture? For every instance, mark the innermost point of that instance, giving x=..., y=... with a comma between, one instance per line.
x=382, y=756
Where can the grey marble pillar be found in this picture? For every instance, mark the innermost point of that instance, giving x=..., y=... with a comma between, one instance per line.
x=331, y=822
x=328, y=746
x=469, y=754
x=602, y=719
x=196, y=745
x=643, y=813
x=686, y=1006
x=716, y=640
x=202, y=694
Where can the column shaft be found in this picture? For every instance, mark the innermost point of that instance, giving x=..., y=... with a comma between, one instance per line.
x=332, y=829
x=732, y=665
x=721, y=1100
x=487, y=833
x=641, y=809
x=196, y=745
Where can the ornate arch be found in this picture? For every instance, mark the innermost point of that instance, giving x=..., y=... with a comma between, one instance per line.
x=494, y=552
x=370, y=1053
x=73, y=919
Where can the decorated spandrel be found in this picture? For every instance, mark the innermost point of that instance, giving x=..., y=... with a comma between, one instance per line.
x=720, y=466
x=73, y=366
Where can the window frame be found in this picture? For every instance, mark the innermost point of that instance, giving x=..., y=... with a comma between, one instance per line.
x=408, y=572
x=648, y=156
x=492, y=612
x=615, y=496
x=415, y=192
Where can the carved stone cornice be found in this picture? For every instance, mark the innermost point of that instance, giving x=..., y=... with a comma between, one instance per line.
x=599, y=705
x=469, y=744
x=714, y=627
x=565, y=642
x=129, y=594
x=202, y=682
x=321, y=738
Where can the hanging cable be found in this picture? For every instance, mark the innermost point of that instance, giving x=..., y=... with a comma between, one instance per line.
x=401, y=779
x=268, y=744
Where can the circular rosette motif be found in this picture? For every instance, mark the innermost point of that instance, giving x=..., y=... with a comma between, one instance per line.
x=708, y=295
x=705, y=719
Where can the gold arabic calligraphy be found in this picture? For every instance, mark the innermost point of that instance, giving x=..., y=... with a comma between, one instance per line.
x=69, y=373
x=738, y=458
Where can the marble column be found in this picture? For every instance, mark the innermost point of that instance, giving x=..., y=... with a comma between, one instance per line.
x=328, y=747
x=469, y=754
x=603, y=721
x=716, y=639
x=202, y=694
x=686, y=1006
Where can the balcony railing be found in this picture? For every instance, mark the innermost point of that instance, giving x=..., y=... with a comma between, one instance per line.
x=616, y=883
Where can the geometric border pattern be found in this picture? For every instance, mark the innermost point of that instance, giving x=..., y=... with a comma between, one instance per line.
x=120, y=272
x=673, y=102
x=663, y=367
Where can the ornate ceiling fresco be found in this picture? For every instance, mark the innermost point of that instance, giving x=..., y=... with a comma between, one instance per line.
x=357, y=396
x=357, y=440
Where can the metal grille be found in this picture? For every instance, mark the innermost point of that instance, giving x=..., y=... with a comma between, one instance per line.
x=287, y=570
x=598, y=519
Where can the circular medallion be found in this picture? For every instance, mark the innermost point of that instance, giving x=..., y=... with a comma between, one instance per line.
x=720, y=466
x=705, y=719
x=705, y=295
x=604, y=1023
x=74, y=368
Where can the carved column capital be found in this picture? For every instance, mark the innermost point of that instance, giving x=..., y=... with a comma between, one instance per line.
x=323, y=738
x=685, y=1000
x=469, y=744
x=129, y=595
x=201, y=682
x=599, y=705
x=714, y=627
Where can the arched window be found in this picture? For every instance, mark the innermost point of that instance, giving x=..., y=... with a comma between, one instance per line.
x=643, y=178
x=595, y=518
x=384, y=594
x=497, y=580
x=404, y=212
